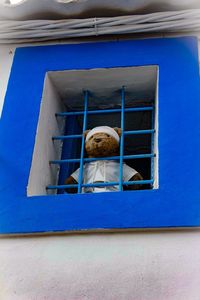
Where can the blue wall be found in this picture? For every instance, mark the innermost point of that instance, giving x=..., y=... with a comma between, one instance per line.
x=177, y=201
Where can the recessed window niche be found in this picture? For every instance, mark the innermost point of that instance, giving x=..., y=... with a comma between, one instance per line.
x=63, y=91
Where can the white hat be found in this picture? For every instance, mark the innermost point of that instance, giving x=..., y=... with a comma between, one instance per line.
x=104, y=129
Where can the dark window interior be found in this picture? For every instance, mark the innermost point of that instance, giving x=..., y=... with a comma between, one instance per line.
x=133, y=144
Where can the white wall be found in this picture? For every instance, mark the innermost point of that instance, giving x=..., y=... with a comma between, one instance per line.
x=41, y=174
x=6, y=58
x=130, y=266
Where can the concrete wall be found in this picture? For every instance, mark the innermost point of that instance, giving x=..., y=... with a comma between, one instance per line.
x=136, y=266
x=129, y=266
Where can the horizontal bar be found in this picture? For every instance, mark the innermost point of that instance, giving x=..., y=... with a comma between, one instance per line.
x=99, y=184
x=72, y=160
x=74, y=136
x=147, y=131
x=65, y=137
x=103, y=111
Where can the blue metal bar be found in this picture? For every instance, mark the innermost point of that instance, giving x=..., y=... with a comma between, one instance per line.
x=64, y=137
x=74, y=136
x=122, y=139
x=150, y=181
x=80, y=179
x=102, y=184
x=71, y=160
x=147, y=131
x=104, y=111
x=152, y=147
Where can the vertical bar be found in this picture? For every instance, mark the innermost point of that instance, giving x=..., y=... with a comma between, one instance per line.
x=122, y=139
x=80, y=179
x=152, y=145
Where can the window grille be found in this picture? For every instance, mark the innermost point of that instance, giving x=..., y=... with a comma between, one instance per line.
x=122, y=110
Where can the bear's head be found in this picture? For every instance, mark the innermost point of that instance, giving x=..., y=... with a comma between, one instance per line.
x=102, y=141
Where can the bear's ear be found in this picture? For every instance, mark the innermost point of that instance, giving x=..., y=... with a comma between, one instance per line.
x=118, y=130
x=86, y=132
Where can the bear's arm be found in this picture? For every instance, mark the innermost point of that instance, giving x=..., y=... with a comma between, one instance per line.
x=71, y=180
x=136, y=177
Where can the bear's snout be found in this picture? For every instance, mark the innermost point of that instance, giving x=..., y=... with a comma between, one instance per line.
x=97, y=140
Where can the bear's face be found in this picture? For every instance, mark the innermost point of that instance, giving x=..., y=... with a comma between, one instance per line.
x=102, y=144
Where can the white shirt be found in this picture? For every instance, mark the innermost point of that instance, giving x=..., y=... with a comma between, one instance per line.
x=103, y=171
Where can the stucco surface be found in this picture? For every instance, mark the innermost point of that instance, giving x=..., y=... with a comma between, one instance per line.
x=135, y=266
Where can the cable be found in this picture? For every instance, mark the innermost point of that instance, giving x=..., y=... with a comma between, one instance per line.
x=44, y=30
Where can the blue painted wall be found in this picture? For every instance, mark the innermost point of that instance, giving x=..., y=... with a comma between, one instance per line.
x=177, y=201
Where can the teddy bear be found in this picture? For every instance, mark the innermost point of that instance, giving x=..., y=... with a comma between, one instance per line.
x=103, y=141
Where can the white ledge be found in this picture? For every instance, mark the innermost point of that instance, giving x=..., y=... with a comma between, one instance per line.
x=62, y=9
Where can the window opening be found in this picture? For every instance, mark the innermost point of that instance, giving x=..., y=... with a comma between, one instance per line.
x=63, y=96
x=85, y=113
